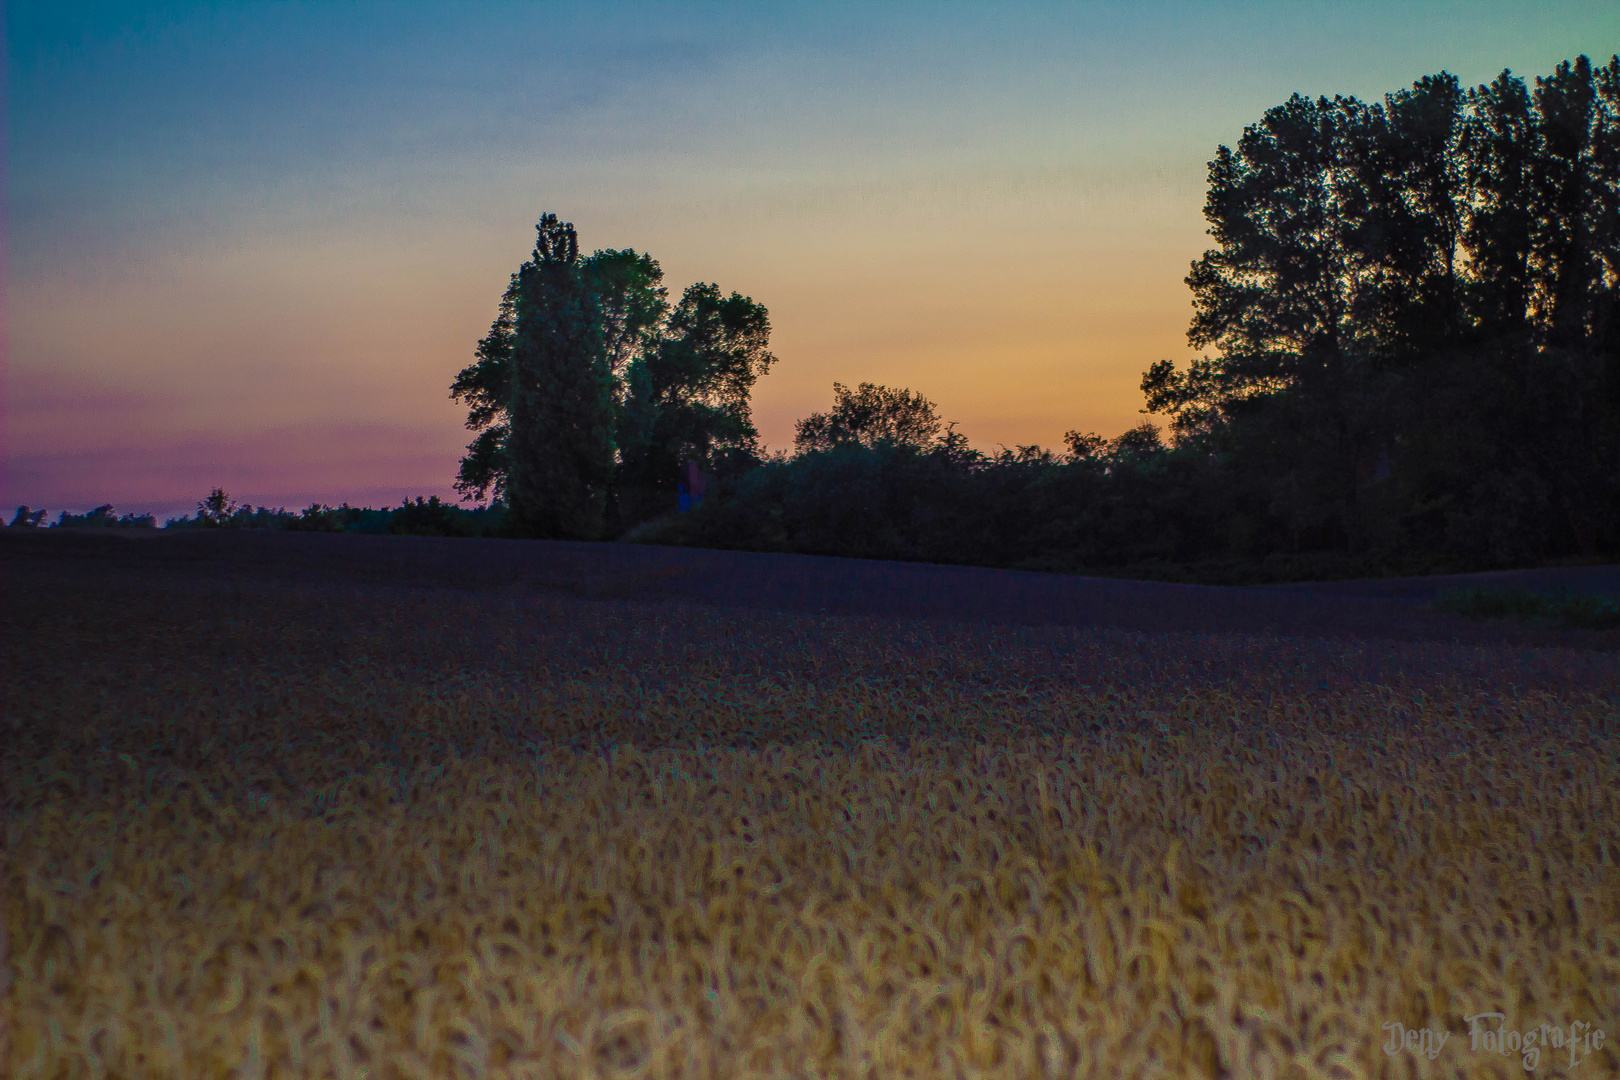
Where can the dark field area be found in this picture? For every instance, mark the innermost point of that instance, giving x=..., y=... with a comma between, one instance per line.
x=285, y=805
x=1393, y=609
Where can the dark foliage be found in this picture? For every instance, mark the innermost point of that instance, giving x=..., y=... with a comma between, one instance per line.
x=867, y=416
x=1124, y=501
x=421, y=517
x=102, y=517
x=430, y=517
x=626, y=387
x=1414, y=326
x=484, y=385
x=1576, y=611
x=676, y=381
x=1414, y=305
x=686, y=395
x=560, y=407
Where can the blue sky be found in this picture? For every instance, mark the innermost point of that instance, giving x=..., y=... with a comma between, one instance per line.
x=251, y=244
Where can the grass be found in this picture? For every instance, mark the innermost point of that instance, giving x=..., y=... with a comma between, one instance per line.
x=1574, y=611
x=379, y=832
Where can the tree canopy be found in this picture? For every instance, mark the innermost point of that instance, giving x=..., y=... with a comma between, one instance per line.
x=1421, y=288
x=677, y=379
x=687, y=393
x=869, y=415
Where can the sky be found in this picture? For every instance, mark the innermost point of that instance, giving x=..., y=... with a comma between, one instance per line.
x=249, y=245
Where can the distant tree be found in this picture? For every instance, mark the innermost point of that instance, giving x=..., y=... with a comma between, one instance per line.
x=99, y=517
x=869, y=415
x=217, y=509
x=1141, y=441
x=632, y=306
x=634, y=309
x=103, y=517
x=26, y=518
x=1084, y=446
x=430, y=517
x=680, y=379
x=687, y=394
x=560, y=410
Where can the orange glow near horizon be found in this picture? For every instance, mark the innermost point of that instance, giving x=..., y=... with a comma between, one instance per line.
x=215, y=356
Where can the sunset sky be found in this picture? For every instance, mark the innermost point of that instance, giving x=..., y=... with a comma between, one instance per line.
x=250, y=245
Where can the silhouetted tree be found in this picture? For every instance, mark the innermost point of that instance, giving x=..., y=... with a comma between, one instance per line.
x=1521, y=428
x=687, y=397
x=869, y=415
x=679, y=381
x=560, y=409
x=485, y=386
x=102, y=517
x=1574, y=270
x=217, y=509
x=632, y=305
x=1410, y=305
x=430, y=517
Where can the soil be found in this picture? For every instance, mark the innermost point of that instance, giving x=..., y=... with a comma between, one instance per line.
x=1395, y=608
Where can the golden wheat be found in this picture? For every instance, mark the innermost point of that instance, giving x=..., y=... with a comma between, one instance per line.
x=456, y=836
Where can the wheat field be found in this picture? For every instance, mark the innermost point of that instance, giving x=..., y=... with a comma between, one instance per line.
x=372, y=832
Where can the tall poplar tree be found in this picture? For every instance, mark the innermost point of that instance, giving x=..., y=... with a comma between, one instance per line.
x=561, y=408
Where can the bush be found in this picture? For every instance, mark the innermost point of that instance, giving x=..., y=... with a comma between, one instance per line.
x=1576, y=611
x=422, y=517
x=431, y=517
x=99, y=518
x=1022, y=509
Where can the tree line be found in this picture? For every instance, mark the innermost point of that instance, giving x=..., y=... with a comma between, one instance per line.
x=1413, y=365
x=1413, y=307
x=419, y=517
